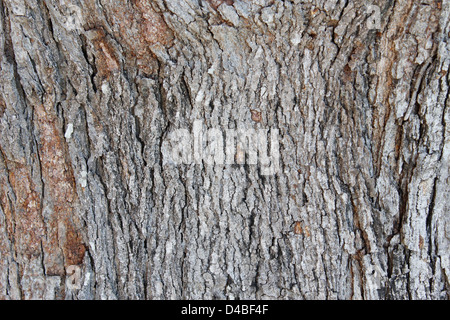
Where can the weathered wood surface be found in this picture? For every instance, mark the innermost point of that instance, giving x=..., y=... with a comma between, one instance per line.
x=90, y=92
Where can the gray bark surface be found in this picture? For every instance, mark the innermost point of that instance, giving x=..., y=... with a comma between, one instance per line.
x=90, y=92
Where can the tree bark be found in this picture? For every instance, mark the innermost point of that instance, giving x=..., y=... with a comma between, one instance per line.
x=91, y=91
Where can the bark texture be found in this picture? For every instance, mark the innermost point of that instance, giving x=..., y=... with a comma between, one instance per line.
x=91, y=90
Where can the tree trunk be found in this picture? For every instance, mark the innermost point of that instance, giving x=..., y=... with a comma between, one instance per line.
x=351, y=96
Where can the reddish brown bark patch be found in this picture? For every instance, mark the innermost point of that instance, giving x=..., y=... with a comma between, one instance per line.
x=106, y=60
x=298, y=228
x=153, y=27
x=256, y=115
x=216, y=3
x=22, y=210
x=139, y=28
x=58, y=177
